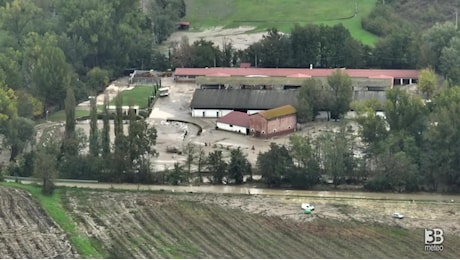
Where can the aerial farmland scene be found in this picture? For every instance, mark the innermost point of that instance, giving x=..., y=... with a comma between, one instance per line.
x=204, y=129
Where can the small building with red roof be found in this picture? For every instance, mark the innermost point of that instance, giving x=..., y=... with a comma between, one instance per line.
x=272, y=122
x=234, y=121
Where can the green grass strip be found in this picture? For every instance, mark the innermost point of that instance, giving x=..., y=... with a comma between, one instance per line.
x=53, y=206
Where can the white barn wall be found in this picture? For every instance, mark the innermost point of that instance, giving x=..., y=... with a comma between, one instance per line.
x=251, y=112
x=232, y=128
x=210, y=112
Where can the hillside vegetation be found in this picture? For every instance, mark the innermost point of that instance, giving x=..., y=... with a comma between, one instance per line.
x=264, y=14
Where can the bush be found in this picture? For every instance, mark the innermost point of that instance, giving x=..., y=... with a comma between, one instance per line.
x=378, y=184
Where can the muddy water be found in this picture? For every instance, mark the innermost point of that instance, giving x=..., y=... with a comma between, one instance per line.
x=260, y=191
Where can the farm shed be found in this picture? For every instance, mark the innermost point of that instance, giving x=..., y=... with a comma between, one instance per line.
x=220, y=102
x=394, y=77
x=234, y=121
x=272, y=122
x=146, y=77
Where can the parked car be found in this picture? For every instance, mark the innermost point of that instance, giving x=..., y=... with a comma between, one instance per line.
x=398, y=215
x=305, y=206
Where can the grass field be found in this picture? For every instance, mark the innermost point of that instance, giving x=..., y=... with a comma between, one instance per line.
x=282, y=14
x=137, y=96
x=59, y=116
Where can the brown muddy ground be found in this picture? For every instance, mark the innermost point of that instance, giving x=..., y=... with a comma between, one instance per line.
x=190, y=225
x=26, y=231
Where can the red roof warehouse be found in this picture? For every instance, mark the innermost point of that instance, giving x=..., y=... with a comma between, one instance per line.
x=400, y=76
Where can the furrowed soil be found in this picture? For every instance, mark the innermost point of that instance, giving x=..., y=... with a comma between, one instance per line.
x=160, y=224
x=26, y=231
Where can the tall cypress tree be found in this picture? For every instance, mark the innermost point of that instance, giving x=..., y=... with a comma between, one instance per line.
x=93, y=133
x=69, y=143
x=105, y=138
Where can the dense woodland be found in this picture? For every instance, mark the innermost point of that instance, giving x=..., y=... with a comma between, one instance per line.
x=57, y=52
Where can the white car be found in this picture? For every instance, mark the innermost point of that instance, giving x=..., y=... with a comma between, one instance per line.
x=305, y=206
x=397, y=215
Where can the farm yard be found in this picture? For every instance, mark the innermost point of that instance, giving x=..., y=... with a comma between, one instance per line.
x=160, y=224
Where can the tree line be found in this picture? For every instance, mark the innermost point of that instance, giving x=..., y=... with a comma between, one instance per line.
x=413, y=147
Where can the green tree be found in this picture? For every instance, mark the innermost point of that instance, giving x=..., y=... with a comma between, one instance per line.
x=238, y=167
x=274, y=49
x=305, y=45
x=373, y=127
x=118, y=121
x=177, y=175
x=336, y=155
x=97, y=79
x=442, y=140
x=205, y=54
x=8, y=105
x=274, y=165
x=341, y=91
x=182, y=54
x=216, y=166
x=51, y=76
x=436, y=39
x=190, y=156
x=45, y=159
x=449, y=60
x=105, y=136
x=141, y=145
x=94, y=144
x=17, y=17
x=200, y=162
x=28, y=106
x=70, y=141
x=311, y=99
x=405, y=113
x=19, y=134
x=304, y=156
x=427, y=83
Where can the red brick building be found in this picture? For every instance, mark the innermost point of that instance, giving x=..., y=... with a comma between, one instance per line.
x=272, y=122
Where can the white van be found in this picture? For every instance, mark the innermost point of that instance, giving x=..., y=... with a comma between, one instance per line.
x=163, y=92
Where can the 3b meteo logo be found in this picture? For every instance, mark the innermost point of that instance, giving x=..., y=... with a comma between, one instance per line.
x=433, y=240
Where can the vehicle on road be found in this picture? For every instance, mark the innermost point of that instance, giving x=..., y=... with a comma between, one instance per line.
x=163, y=92
x=397, y=215
x=308, y=206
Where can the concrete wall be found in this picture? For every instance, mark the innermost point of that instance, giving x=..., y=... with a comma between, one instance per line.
x=281, y=125
x=210, y=112
x=232, y=128
x=259, y=126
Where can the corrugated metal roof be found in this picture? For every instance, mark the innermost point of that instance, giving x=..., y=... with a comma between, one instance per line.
x=278, y=112
x=235, y=118
x=284, y=72
x=242, y=99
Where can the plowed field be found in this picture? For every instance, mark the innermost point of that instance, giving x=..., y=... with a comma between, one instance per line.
x=173, y=225
x=26, y=231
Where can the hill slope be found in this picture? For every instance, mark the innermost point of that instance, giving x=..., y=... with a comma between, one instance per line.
x=264, y=14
